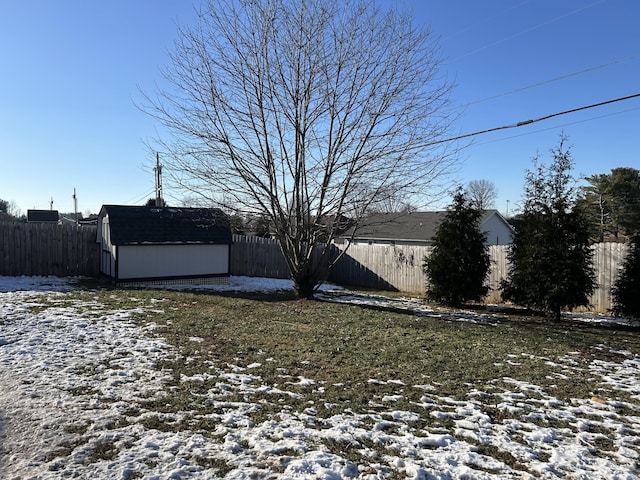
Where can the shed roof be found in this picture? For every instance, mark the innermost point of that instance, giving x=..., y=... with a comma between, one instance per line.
x=413, y=226
x=132, y=225
x=42, y=215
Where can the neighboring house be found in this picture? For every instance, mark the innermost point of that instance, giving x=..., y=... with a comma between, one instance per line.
x=142, y=245
x=42, y=216
x=419, y=228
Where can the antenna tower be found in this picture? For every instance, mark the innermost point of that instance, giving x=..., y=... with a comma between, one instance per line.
x=158, y=172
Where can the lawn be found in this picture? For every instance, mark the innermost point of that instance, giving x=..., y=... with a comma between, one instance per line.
x=262, y=385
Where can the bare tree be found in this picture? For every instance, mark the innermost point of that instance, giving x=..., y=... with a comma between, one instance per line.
x=391, y=202
x=9, y=210
x=302, y=110
x=482, y=194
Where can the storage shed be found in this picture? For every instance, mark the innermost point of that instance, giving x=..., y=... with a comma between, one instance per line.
x=160, y=245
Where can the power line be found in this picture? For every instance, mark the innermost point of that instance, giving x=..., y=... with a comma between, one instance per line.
x=531, y=29
x=140, y=198
x=488, y=19
x=556, y=127
x=562, y=77
x=535, y=120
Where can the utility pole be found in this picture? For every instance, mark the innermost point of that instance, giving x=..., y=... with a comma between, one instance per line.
x=158, y=171
x=75, y=204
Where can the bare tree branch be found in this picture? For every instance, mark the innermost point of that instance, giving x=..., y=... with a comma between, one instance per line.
x=300, y=110
x=482, y=194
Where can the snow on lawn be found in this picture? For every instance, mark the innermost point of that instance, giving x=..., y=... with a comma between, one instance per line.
x=74, y=374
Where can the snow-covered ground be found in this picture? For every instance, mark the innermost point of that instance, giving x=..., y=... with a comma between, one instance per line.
x=73, y=374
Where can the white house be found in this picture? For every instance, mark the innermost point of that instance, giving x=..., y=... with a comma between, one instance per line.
x=419, y=228
x=143, y=245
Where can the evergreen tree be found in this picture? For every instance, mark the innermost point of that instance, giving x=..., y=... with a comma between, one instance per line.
x=551, y=260
x=626, y=290
x=459, y=262
x=612, y=202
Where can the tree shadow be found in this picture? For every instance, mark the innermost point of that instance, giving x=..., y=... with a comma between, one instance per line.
x=481, y=314
x=350, y=272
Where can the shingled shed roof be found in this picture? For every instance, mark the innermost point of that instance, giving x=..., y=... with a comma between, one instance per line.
x=131, y=225
x=42, y=215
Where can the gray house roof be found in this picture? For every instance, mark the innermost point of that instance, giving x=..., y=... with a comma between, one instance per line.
x=132, y=225
x=407, y=227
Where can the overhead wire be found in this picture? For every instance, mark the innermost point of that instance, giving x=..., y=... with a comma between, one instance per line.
x=534, y=120
x=139, y=198
x=485, y=20
x=530, y=29
x=544, y=82
x=557, y=126
x=551, y=80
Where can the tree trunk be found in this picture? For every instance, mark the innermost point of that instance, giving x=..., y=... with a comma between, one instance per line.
x=304, y=281
x=304, y=287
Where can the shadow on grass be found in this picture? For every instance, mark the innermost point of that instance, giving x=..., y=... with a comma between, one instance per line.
x=480, y=313
x=473, y=313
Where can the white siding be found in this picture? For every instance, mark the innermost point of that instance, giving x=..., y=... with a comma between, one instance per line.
x=158, y=261
x=497, y=232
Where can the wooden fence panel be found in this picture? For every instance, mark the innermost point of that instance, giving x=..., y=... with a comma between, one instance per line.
x=382, y=266
x=257, y=257
x=498, y=271
x=48, y=249
x=607, y=261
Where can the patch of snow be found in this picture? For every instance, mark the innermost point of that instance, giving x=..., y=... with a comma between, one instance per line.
x=77, y=379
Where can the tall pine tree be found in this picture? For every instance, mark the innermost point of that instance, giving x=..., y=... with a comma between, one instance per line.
x=551, y=260
x=459, y=263
x=626, y=290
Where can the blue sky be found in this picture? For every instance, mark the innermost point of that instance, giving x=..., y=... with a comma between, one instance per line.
x=72, y=72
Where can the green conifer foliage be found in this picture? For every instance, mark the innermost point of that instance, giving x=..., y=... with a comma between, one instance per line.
x=626, y=290
x=551, y=260
x=459, y=262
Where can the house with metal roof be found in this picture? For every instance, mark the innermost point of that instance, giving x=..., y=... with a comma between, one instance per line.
x=151, y=245
x=419, y=228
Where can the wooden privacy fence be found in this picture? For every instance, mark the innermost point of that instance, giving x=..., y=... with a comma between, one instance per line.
x=399, y=267
x=70, y=250
x=257, y=257
x=48, y=249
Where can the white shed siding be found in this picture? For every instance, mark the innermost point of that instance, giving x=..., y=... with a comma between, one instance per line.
x=497, y=232
x=157, y=261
